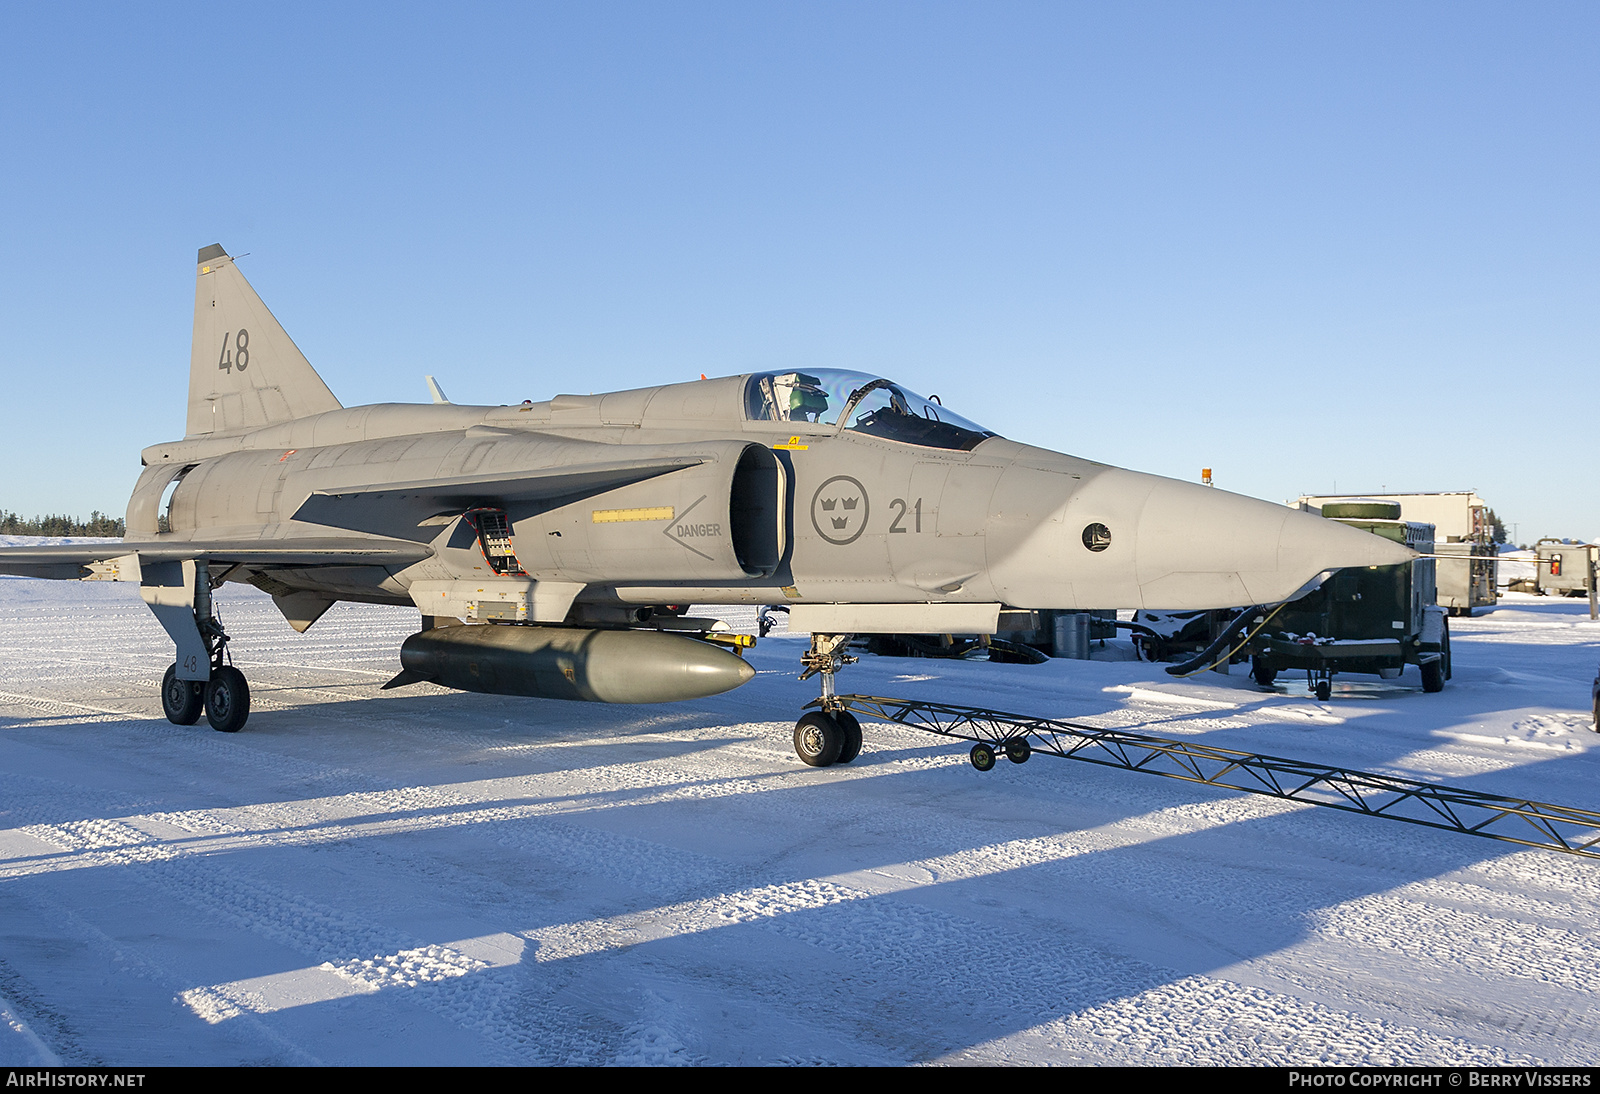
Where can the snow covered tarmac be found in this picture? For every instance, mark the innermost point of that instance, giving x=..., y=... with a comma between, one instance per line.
x=427, y=877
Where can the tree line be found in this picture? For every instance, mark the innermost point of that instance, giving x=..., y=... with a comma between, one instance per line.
x=98, y=524
x=1497, y=527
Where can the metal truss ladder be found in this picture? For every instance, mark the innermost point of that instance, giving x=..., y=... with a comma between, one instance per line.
x=1513, y=820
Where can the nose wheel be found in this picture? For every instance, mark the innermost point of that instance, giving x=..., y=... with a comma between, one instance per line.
x=822, y=739
x=852, y=735
x=818, y=740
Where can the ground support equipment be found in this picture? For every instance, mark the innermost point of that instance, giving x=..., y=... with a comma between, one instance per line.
x=1512, y=820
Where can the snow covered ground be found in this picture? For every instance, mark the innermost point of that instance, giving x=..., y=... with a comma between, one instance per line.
x=426, y=877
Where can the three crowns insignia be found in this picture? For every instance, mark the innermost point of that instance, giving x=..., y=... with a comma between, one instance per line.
x=828, y=505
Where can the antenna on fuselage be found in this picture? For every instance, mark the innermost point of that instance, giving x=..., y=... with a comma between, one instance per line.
x=437, y=392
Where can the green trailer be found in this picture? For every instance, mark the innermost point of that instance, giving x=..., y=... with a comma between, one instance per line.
x=1376, y=619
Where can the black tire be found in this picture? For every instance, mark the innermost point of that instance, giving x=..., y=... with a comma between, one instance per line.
x=183, y=700
x=227, y=700
x=1433, y=674
x=982, y=757
x=851, y=728
x=1324, y=690
x=1263, y=671
x=1597, y=713
x=1018, y=750
x=1448, y=669
x=818, y=740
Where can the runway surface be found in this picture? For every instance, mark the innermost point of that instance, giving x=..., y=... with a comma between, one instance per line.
x=428, y=877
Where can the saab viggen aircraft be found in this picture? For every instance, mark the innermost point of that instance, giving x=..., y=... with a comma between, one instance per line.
x=550, y=546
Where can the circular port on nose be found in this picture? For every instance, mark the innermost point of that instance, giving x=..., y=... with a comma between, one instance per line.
x=1096, y=537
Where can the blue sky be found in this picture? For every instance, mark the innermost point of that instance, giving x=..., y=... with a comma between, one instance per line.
x=1309, y=246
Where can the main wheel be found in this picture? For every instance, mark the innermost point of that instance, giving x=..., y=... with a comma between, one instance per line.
x=1324, y=690
x=1433, y=674
x=818, y=739
x=851, y=728
x=1018, y=750
x=1448, y=668
x=982, y=756
x=1263, y=671
x=227, y=700
x=183, y=700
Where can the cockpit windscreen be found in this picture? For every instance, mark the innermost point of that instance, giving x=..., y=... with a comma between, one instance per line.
x=866, y=404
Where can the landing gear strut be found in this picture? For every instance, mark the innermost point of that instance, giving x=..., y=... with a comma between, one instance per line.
x=830, y=735
x=227, y=694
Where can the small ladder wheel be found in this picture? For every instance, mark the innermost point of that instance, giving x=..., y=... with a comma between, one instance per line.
x=982, y=757
x=1324, y=690
x=227, y=700
x=851, y=728
x=1018, y=750
x=182, y=700
x=818, y=739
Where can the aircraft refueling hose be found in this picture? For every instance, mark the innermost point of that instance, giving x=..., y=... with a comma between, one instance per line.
x=1208, y=659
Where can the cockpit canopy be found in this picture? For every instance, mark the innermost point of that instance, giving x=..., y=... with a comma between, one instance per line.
x=866, y=404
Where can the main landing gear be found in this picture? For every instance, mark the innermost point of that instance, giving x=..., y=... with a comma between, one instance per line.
x=224, y=699
x=830, y=735
x=181, y=599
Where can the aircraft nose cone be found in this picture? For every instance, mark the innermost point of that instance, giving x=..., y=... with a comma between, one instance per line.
x=1196, y=543
x=1081, y=535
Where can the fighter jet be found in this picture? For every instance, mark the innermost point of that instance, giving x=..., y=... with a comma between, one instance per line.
x=551, y=548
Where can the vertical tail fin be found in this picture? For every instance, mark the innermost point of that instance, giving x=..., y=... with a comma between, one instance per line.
x=244, y=370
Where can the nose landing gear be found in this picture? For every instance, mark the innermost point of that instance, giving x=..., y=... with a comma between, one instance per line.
x=830, y=735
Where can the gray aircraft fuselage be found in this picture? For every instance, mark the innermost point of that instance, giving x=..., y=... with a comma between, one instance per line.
x=1001, y=523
